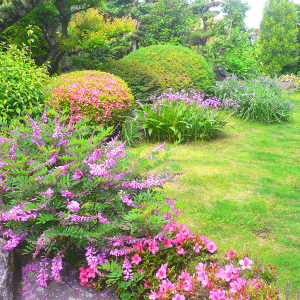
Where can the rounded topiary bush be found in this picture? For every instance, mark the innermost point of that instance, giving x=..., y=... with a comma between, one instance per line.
x=100, y=97
x=162, y=67
x=22, y=83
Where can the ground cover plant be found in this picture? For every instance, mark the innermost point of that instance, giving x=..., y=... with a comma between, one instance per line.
x=243, y=191
x=259, y=99
x=181, y=116
x=100, y=97
x=64, y=191
x=169, y=66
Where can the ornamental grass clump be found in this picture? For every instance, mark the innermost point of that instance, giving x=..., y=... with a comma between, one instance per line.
x=182, y=116
x=64, y=192
x=98, y=96
x=177, y=265
x=260, y=99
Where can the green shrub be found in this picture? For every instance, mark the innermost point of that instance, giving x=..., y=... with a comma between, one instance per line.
x=155, y=69
x=22, y=83
x=100, y=97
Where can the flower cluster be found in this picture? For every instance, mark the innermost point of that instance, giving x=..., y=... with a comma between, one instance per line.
x=258, y=99
x=67, y=188
x=163, y=268
x=100, y=97
x=182, y=116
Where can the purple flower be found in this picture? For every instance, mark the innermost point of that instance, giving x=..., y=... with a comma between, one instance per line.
x=73, y=206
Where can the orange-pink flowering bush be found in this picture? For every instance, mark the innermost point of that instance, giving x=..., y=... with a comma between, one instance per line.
x=100, y=97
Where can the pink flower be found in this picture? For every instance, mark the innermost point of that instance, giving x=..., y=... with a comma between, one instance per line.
x=217, y=294
x=162, y=272
x=136, y=259
x=142, y=271
x=246, y=263
x=153, y=247
x=167, y=242
x=91, y=272
x=153, y=295
x=180, y=251
x=171, y=227
x=165, y=285
x=83, y=276
x=139, y=247
x=178, y=297
x=197, y=248
x=211, y=247
x=237, y=285
x=73, y=206
x=230, y=254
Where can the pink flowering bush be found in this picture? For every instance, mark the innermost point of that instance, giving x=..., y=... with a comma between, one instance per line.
x=66, y=192
x=178, y=265
x=98, y=96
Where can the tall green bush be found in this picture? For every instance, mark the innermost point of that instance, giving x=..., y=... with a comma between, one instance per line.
x=168, y=66
x=22, y=83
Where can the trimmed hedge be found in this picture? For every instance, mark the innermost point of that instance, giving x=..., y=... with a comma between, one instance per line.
x=155, y=69
x=101, y=97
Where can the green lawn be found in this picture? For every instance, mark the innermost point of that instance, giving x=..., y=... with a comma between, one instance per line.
x=243, y=191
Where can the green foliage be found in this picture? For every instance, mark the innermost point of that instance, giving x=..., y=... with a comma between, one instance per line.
x=22, y=83
x=161, y=67
x=278, y=43
x=260, y=99
x=100, y=97
x=181, y=117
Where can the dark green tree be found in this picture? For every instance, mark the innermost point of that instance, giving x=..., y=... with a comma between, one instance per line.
x=278, y=44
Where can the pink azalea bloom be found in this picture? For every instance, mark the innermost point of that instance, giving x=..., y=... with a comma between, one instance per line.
x=184, y=275
x=213, y=265
x=146, y=284
x=188, y=286
x=204, y=239
x=224, y=274
x=142, y=271
x=162, y=295
x=83, y=276
x=200, y=266
x=217, y=294
x=246, y=263
x=178, y=297
x=153, y=247
x=162, y=272
x=211, y=247
x=136, y=259
x=197, y=248
x=165, y=285
x=237, y=285
x=139, y=247
x=180, y=251
x=153, y=295
x=167, y=243
x=171, y=227
x=230, y=254
x=91, y=272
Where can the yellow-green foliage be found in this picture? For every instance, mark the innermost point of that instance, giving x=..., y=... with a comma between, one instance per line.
x=99, y=96
x=162, y=67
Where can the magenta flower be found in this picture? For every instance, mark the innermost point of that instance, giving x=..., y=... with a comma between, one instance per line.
x=153, y=247
x=237, y=285
x=136, y=259
x=139, y=247
x=162, y=272
x=217, y=294
x=167, y=242
x=211, y=247
x=230, y=254
x=83, y=276
x=197, y=248
x=178, y=297
x=246, y=263
x=49, y=193
x=73, y=206
x=180, y=251
x=153, y=295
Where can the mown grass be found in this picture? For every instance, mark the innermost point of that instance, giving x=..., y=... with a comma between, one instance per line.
x=243, y=191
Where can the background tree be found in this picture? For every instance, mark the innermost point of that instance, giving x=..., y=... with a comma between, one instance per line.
x=279, y=48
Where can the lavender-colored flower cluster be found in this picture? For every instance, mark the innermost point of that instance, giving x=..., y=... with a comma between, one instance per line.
x=62, y=187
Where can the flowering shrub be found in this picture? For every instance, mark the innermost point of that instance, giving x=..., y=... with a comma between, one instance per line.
x=22, y=83
x=63, y=192
x=259, y=99
x=98, y=96
x=178, y=265
x=155, y=69
x=182, y=116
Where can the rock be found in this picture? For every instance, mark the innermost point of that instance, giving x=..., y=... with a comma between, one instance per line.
x=220, y=74
x=287, y=85
x=15, y=285
x=6, y=273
